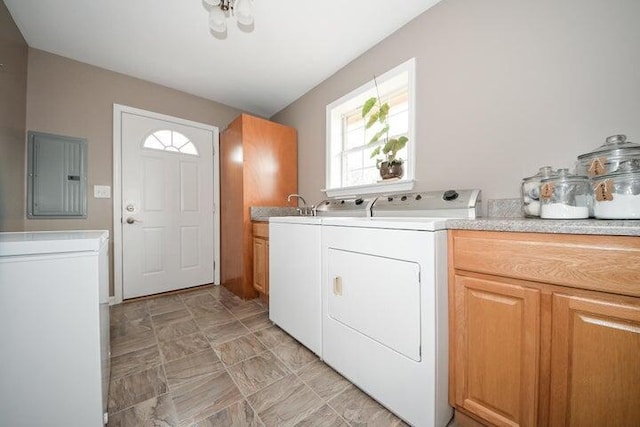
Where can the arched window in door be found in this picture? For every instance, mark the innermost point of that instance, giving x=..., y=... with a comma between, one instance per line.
x=171, y=141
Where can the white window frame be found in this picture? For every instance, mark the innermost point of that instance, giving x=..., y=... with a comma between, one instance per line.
x=353, y=100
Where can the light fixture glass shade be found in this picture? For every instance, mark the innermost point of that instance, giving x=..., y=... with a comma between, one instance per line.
x=243, y=11
x=217, y=20
x=212, y=2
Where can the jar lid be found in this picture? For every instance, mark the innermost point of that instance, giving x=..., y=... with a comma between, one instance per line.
x=563, y=175
x=615, y=145
x=544, y=172
x=633, y=174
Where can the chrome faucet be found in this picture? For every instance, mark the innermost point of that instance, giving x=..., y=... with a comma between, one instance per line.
x=304, y=210
x=290, y=196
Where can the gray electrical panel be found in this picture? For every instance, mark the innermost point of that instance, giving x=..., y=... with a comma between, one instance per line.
x=56, y=176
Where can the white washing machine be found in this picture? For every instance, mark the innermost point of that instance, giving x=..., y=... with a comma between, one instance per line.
x=384, y=307
x=294, y=269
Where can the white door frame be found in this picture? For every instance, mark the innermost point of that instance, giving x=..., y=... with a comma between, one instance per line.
x=118, y=110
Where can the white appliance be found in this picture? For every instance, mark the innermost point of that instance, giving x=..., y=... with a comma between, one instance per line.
x=294, y=269
x=54, y=328
x=384, y=308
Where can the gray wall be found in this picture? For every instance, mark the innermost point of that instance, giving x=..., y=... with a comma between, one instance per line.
x=13, y=109
x=72, y=98
x=503, y=87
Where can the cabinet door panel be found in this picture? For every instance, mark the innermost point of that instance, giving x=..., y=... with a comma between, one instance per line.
x=497, y=350
x=260, y=265
x=595, y=367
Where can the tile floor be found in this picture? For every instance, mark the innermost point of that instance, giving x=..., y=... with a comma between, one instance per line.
x=207, y=358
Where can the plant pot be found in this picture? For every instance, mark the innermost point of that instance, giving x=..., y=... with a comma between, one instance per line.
x=388, y=171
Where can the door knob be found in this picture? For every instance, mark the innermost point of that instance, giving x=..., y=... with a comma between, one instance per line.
x=132, y=220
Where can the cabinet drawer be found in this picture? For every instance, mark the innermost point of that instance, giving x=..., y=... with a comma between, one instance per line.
x=602, y=263
x=261, y=229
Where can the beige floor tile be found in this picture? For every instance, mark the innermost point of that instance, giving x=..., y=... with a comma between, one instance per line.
x=200, y=399
x=239, y=414
x=273, y=336
x=192, y=367
x=285, y=402
x=131, y=326
x=358, y=409
x=230, y=300
x=200, y=290
x=294, y=355
x=246, y=309
x=225, y=332
x=128, y=312
x=135, y=361
x=157, y=412
x=234, y=351
x=135, y=388
x=183, y=346
x=201, y=307
x=257, y=372
x=217, y=291
x=257, y=321
x=178, y=315
x=323, y=417
x=175, y=330
x=131, y=342
x=213, y=317
x=165, y=304
x=326, y=382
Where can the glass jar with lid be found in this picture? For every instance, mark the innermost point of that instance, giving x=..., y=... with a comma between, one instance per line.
x=530, y=191
x=614, y=154
x=617, y=195
x=565, y=196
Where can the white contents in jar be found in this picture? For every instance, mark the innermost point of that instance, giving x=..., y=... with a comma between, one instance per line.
x=623, y=206
x=562, y=211
x=532, y=209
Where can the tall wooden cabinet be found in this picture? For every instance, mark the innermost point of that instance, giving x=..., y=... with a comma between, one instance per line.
x=545, y=328
x=258, y=167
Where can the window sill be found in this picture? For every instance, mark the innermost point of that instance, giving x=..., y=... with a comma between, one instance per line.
x=377, y=188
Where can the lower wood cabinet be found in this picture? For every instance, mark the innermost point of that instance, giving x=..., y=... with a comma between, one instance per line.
x=595, y=362
x=261, y=258
x=497, y=345
x=528, y=346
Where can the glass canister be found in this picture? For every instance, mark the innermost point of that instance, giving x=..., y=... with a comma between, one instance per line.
x=565, y=196
x=530, y=191
x=613, y=155
x=617, y=195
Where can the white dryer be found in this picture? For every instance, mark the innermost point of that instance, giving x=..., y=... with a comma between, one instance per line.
x=384, y=311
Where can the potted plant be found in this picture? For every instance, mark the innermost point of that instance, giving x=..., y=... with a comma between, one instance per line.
x=375, y=111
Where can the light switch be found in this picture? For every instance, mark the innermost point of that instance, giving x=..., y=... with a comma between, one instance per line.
x=101, y=191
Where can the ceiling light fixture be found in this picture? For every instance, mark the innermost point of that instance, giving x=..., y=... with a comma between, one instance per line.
x=220, y=10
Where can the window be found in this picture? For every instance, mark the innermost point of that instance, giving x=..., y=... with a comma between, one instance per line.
x=350, y=168
x=171, y=141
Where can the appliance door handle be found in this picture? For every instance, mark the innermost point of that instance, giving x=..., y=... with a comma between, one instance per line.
x=337, y=285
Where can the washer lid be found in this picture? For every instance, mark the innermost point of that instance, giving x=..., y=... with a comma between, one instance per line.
x=50, y=242
x=297, y=219
x=397, y=223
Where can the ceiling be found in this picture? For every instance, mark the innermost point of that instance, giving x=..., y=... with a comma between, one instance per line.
x=295, y=44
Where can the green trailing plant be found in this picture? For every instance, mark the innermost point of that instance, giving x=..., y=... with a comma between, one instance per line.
x=375, y=111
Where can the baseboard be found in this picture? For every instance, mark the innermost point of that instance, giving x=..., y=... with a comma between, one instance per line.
x=112, y=300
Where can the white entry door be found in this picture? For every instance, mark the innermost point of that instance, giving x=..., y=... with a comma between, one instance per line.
x=167, y=205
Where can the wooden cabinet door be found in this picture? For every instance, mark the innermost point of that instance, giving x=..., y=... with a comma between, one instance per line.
x=260, y=265
x=496, y=359
x=595, y=363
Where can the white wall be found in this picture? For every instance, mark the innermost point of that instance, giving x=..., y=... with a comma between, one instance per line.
x=503, y=87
